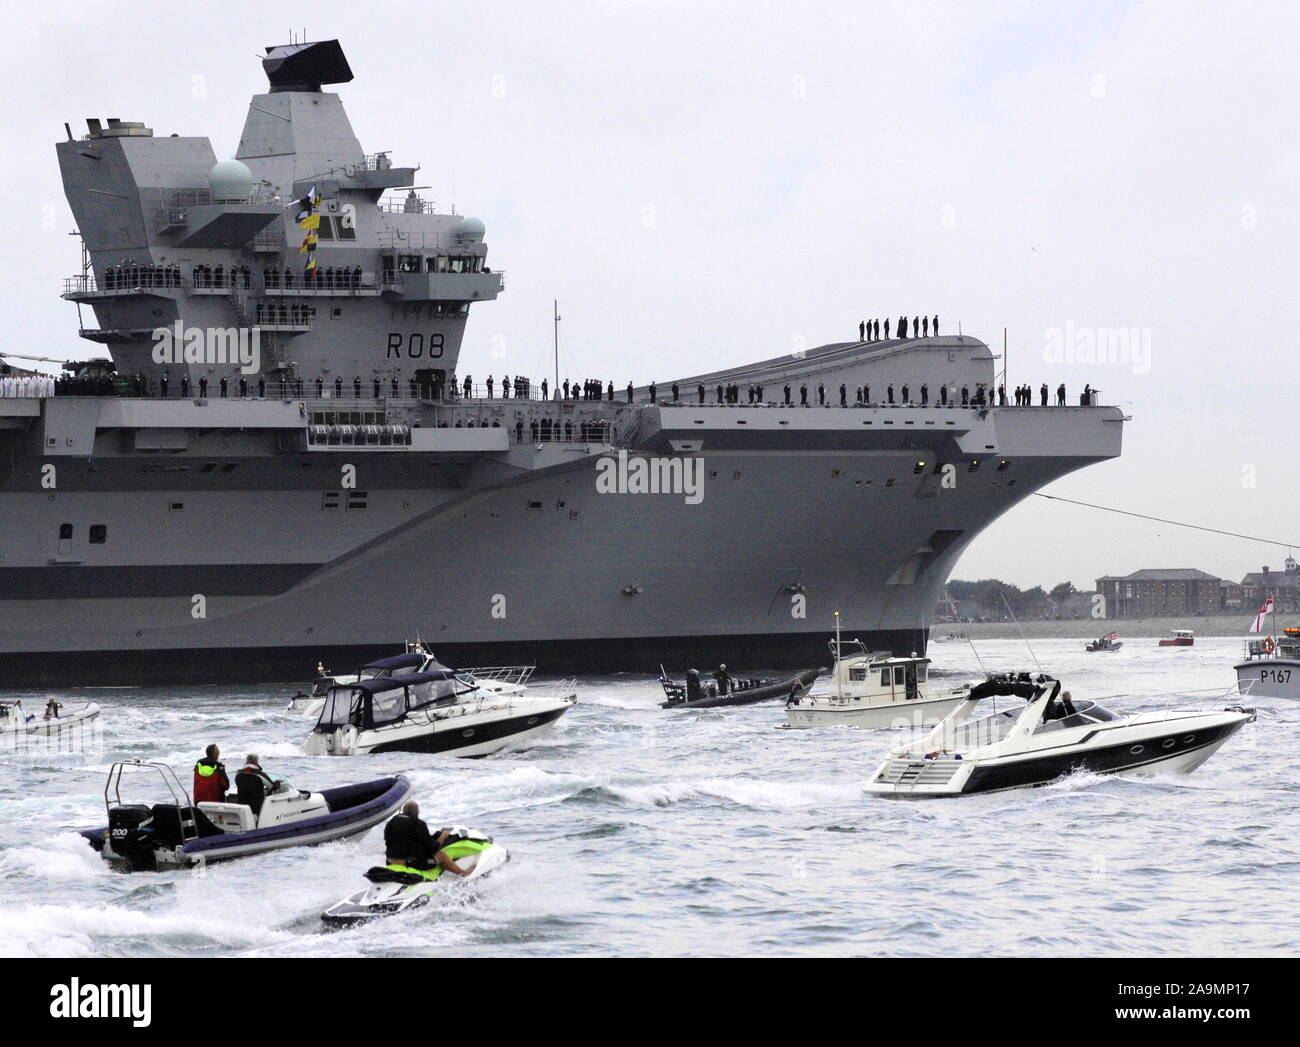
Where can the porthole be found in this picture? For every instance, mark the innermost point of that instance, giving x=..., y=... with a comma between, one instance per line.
x=1189, y=739
x=532, y=720
x=467, y=733
x=1168, y=743
x=1136, y=749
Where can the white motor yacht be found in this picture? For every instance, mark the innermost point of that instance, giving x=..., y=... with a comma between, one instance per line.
x=439, y=710
x=1041, y=735
x=872, y=689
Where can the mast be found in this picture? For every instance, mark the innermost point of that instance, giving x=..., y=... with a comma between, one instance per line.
x=839, y=670
x=556, y=303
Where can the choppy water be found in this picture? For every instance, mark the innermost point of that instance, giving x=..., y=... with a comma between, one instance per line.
x=639, y=831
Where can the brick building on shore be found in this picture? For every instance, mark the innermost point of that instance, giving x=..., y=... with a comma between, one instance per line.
x=1182, y=592
x=1160, y=592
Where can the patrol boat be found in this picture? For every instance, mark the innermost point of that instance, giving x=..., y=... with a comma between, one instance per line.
x=872, y=689
x=251, y=496
x=1046, y=738
x=1272, y=667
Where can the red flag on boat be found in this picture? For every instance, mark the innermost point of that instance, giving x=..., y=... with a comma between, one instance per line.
x=1258, y=625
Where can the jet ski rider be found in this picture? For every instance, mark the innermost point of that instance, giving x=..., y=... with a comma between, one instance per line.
x=410, y=847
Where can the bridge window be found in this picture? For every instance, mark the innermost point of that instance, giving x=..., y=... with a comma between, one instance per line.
x=408, y=263
x=98, y=534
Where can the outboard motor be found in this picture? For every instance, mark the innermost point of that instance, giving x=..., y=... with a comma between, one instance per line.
x=131, y=836
x=341, y=741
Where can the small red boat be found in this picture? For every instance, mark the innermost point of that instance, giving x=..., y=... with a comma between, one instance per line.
x=1179, y=638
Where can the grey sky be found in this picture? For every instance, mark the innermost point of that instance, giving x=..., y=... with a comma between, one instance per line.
x=703, y=184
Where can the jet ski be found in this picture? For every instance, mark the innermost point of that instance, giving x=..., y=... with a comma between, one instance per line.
x=399, y=888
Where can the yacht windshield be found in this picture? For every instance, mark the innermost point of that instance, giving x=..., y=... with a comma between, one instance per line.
x=339, y=703
x=1060, y=715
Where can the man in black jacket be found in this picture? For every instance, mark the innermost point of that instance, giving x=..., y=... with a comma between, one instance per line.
x=253, y=784
x=408, y=842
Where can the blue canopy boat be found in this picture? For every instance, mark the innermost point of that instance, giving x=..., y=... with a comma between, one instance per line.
x=181, y=834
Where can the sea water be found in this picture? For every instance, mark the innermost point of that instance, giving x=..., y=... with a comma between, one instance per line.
x=640, y=831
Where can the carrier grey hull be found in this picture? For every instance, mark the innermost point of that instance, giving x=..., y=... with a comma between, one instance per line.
x=260, y=570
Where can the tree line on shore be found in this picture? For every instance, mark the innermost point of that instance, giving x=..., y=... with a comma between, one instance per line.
x=989, y=599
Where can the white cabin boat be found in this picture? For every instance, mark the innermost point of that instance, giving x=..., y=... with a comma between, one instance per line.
x=872, y=689
x=437, y=710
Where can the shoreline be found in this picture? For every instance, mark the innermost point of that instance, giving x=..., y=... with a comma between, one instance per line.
x=1233, y=625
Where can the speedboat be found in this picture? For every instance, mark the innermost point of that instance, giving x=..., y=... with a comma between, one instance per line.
x=439, y=710
x=730, y=690
x=180, y=834
x=398, y=888
x=1045, y=738
x=22, y=731
x=1109, y=642
x=1272, y=667
x=1179, y=638
x=871, y=689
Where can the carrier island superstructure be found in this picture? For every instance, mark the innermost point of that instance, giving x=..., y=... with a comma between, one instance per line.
x=348, y=496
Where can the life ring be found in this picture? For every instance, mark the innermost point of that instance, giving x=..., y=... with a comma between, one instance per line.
x=1266, y=645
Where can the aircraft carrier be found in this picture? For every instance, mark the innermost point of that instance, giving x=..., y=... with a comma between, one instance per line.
x=176, y=516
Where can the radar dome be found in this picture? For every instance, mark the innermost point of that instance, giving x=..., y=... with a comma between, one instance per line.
x=230, y=180
x=471, y=229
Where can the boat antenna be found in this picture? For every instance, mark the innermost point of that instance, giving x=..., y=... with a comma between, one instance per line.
x=839, y=673
x=1020, y=628
x=976, y=652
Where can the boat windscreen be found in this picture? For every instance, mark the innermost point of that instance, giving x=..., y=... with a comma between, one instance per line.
x=386, y=706
x=339, y=703
x=431, y=691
